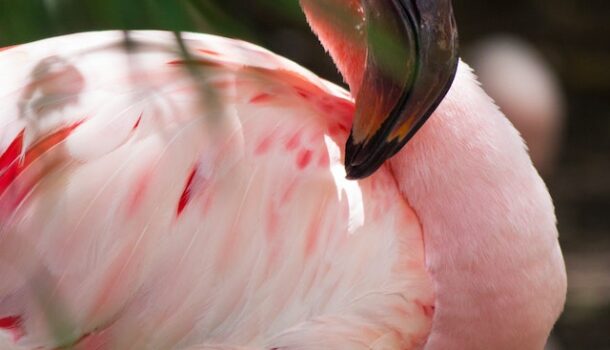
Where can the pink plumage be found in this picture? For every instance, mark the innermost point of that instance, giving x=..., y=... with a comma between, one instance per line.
x=139, y=213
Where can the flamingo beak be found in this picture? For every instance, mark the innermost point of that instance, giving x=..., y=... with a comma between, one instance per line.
x=412, y=57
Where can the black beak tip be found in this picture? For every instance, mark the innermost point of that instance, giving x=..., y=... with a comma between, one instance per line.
x=352, y=169
x=353, y=165
x=360, y=171
x=355, y=172
x=351, y=175
x=361, y=160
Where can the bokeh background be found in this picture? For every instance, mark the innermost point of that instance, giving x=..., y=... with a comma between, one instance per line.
x=571, y=37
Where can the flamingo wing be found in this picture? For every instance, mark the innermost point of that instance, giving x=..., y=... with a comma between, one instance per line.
x=148, y=201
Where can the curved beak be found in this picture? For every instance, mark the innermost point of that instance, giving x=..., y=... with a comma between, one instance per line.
x=412, y=57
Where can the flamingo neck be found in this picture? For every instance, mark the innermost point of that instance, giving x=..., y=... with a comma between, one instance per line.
x=488, y=224
x=339, y=25
x=488, y=220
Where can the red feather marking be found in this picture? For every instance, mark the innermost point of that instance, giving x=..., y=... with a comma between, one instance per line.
x=12, y=152
x=302, y=92
x=304, y=158
x=293, y=142
x=49, y=142
x=13, y=325
x=10, y=322
x=428, y=310
x=327, y=107
x=262, y=97
x=334, y=130
x=141, y=187
x=137, y=124
x=204, y=63
x=186, y=194
x=12, y=166
x=209, y=52
x=264, y=145
x=347, y=108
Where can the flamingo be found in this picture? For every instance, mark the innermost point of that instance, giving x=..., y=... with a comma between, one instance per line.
x=525, y=87
x=231, y=199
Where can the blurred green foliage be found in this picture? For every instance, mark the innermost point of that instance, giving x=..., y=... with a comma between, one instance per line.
x=28, y=20
x=23, y=21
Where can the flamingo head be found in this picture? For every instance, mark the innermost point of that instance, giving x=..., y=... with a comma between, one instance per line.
x=399, y=58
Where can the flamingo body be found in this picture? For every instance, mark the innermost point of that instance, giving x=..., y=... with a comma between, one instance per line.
x=134, y=215
x=151, y=202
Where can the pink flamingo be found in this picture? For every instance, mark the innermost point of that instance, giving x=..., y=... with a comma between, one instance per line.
x=153, y=202
x=526, y=89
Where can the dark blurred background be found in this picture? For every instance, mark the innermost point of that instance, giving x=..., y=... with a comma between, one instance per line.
x=572, y=37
